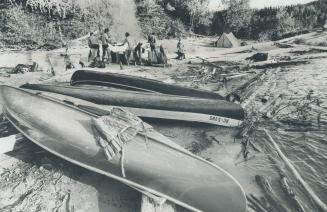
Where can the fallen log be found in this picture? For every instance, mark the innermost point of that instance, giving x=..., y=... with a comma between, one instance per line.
x=307, y=188
x=264, y=183
x=257, y=205
x=254, y=147
x=262, y=202
x=237, y=93
x=286, y=187
x=267, y=109
x=235, y=76
x=290, y=193
x=278, y=64
x=210, y=63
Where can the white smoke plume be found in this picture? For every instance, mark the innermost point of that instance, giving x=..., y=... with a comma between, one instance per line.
x=122, y=13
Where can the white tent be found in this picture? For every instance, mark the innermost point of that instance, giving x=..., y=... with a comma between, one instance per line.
x=227, y=41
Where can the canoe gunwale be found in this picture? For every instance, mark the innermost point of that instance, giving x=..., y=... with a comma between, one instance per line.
x=88, y=82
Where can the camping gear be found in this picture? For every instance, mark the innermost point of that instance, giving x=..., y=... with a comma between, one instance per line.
x=161, y=106
x=258, y=57
x=137, y=83
x=157, y=56
x=148, y=161
x=228, y=40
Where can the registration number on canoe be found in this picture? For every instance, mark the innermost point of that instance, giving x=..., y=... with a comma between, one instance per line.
x=219, y=119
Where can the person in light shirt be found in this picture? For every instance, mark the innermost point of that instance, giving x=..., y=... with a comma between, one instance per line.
x=93, y=42
x=105, y=45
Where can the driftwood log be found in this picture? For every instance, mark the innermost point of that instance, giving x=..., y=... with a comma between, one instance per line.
x=236, y=95
x=210, y=63
x=278, y=64
x=255, y=204
x=290, y=193
x=296, y=174
x=286, y=187
x=265, y=184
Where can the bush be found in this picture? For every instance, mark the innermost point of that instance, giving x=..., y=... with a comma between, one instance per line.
x=31, y=30
x=264, y=36
x=299, y=41
x=153, y=19
x=26, y=30
x=322, y=43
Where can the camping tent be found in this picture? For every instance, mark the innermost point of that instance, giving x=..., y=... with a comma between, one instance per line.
x=227, y=41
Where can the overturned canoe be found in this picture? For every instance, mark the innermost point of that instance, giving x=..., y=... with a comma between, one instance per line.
x=149, y=162
x=137, y=83
x=212, y=111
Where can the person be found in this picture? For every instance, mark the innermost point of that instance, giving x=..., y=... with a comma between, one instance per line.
x=105, y=45
x=152, y=41
x=180, y=50
x=90, y=44
x=93, y=43
x=163, y=57
x=138, y=53
x=129, y=49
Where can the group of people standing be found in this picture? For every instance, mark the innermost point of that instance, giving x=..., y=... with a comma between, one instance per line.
x=104, y=42
x=95, y=42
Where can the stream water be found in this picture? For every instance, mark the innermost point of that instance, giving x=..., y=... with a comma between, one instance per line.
x=305, y=146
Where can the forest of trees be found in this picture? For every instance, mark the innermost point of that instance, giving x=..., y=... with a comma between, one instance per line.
x=269, y=23
x=238, y=17
x=36, y=22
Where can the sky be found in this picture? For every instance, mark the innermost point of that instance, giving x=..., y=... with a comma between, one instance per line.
x=264, y=3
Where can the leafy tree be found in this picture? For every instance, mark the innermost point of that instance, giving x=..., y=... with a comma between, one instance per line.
x=322, y=16
x=285, y=23
x=192, y=12
x=198, y=12
x=238, y=16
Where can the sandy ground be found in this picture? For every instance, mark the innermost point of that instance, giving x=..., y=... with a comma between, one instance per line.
x=34, y=180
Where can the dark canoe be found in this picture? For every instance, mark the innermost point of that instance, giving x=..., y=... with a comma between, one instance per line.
x=137, y=83
x=159, y=166
x=144, y=113
x=145, y=100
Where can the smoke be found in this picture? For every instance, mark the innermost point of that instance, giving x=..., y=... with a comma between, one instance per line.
x=117, y=15
x=124, y=17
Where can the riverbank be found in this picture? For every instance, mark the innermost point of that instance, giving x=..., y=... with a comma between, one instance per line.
x=279, y=83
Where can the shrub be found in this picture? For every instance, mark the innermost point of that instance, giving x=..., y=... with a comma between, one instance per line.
x=322, y=43
x=299, y=41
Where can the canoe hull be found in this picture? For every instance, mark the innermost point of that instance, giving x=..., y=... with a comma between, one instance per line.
x=144, y=100
x=145, y=113
x=136, y=83
x=154, y=166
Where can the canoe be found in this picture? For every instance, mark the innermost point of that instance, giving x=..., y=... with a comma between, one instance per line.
x=212, y=111
x=137, y=83
x=145, y=113
x=152, y=163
